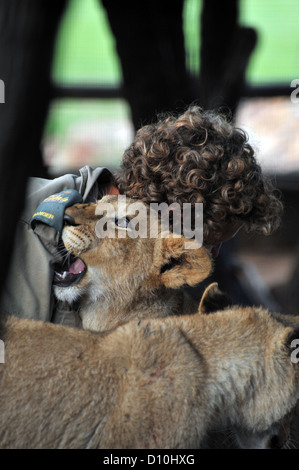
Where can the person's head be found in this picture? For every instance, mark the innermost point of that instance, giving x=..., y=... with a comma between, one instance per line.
x=199, y=156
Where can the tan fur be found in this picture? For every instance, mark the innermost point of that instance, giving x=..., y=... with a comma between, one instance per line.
x=129, y=277
x=150, y=383
x=153, y=383
x=214, y=299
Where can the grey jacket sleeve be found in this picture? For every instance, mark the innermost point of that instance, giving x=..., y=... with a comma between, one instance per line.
x=28, y=291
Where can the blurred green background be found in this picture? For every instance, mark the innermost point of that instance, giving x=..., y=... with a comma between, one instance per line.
x=85, y=54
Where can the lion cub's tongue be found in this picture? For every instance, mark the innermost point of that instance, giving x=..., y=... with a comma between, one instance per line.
x=77, y=267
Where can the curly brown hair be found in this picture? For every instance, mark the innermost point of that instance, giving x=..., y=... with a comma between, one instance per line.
x=199, y=156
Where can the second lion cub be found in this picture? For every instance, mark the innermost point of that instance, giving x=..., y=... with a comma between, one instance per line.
x=152, y=383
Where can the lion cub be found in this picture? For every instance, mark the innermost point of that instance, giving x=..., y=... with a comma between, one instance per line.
x=116, y=279
x=152, y=383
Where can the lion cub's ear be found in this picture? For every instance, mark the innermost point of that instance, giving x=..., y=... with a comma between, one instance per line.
x=181, y=266
x=214, y=299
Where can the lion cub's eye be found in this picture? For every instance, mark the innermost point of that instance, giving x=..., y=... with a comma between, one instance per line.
x=68, y=220
x=122, y=222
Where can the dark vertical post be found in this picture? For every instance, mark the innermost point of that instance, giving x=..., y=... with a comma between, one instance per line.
x=27, y=36
x=225, y=50
x=150, y=43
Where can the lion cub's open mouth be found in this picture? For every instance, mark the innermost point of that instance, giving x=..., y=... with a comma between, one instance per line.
x=71, y=272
